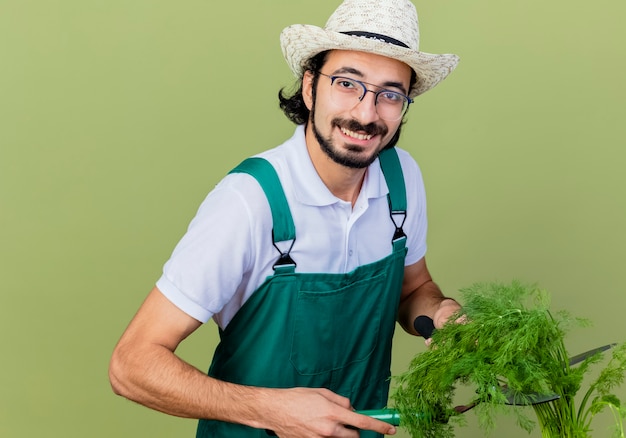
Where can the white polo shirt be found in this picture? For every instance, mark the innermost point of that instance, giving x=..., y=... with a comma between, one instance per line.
x=227, y=251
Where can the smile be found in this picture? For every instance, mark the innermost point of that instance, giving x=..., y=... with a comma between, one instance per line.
x=356, y=134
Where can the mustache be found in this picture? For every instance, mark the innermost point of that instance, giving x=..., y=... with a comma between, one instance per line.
x=353, y=125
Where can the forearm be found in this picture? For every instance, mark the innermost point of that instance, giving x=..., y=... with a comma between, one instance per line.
x=155, y=377
x=164, y=382
x=427, y=299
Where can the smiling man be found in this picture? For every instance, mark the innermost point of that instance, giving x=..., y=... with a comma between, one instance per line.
x=305, y=255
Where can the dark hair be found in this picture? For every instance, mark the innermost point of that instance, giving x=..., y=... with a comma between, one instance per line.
x=294, y=107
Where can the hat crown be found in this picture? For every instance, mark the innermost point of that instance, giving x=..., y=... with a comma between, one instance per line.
x=388, y=28
x=394, y=19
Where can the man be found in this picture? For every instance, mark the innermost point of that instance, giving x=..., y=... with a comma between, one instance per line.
x=305, y=255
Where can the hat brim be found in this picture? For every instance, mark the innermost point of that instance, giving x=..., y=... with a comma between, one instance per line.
x=300, y=42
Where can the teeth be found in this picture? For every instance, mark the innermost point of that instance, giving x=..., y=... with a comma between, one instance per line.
x=356, y=134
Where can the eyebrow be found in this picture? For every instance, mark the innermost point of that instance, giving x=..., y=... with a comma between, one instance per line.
x=354, y=71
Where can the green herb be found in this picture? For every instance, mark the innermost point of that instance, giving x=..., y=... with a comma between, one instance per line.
x=511, y=340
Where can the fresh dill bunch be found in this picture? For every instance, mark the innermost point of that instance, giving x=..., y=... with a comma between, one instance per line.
x=511, y=346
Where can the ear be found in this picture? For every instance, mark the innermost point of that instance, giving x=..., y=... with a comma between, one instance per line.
x=307, y=89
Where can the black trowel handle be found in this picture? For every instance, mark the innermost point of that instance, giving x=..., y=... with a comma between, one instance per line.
x=424, y=326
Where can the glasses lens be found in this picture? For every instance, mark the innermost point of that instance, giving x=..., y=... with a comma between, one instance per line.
x=391, y=105
x=346, y=91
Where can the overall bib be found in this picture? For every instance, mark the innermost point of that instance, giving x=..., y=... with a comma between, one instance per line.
x=315, y=330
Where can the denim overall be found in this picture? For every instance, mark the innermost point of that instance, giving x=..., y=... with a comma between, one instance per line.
x=315, y=329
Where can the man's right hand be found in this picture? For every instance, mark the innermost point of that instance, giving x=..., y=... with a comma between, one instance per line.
x=318, y=412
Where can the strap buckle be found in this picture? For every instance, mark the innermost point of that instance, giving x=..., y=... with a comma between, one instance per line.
x=399, y=233
x=284, y=259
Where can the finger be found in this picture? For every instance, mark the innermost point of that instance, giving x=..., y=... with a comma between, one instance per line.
x=346, y=432
x=335, y=398
x=364, y=422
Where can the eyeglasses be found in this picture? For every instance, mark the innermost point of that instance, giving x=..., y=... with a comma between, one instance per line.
x=390, y=105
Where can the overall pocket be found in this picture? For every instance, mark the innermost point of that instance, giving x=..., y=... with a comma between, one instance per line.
x=337, y=327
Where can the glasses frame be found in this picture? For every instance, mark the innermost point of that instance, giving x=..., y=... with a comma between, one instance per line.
x=408, y=100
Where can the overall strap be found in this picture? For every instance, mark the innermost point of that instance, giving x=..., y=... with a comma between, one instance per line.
x=392, y=170
x=283, y=226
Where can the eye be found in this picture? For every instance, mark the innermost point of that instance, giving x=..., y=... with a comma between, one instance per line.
x=390, y=97
x=345, y=84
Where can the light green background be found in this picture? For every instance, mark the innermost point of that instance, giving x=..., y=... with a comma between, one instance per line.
x=117, y=117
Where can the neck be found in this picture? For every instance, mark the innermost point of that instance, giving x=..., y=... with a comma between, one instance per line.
x=343, y=182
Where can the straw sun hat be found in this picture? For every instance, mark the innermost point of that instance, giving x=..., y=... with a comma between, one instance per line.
x=383, y=27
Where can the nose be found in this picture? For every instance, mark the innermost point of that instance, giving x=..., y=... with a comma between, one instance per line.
x=365, y=110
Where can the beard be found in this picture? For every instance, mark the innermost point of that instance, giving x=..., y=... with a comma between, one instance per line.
x=353, y=156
